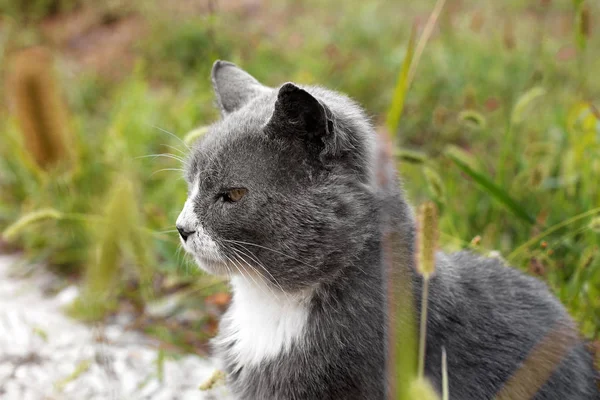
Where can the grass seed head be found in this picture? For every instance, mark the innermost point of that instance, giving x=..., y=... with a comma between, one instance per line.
x=39, y=109
x=427, y=238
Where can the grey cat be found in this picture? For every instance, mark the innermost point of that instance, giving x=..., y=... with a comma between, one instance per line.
x=285, y=198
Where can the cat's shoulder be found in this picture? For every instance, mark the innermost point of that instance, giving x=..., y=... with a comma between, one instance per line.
x=479, y=281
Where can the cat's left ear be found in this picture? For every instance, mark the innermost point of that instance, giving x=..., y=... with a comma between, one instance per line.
x=233, y=86
x=298, y=114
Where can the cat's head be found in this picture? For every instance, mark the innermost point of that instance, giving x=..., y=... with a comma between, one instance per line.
x=281, y=188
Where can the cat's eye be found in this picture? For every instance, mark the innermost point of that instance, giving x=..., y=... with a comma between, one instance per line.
x=234, y=195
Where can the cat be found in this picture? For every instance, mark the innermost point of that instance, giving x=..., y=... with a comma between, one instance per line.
x=286, y=199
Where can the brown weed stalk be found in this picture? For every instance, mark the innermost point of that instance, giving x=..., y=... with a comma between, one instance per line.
x=39, y=109
x=541, y=362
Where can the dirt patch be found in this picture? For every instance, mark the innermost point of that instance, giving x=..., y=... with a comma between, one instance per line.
x=95, y=42
x=105, y=42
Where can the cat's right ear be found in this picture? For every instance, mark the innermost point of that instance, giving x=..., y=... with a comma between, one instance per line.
x=233, y=86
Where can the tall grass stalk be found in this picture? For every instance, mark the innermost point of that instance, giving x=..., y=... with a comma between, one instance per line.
x=424, y=38
x=427, y=236
x=403, y=343
x=409, y=69
x=116, y=238
x=394, y=112
x=423, y=327
x=402, y=333
x=445, y=385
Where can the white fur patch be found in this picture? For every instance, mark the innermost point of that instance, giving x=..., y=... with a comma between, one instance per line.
x=187, y=218
x=200, y=243
x=261, y=322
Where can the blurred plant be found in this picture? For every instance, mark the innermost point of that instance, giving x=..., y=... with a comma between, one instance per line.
x=188, y=47
x=38, y=107
x=409, y=382
x=582, y=23
x=217, y=378
x=23, y=223
x=397, y=106
x=540, y=363
x=402, y=341
x=80, y=369
x=194, y=135
x=118, y=237
x=32, y=10
x=409, y=68
x=459, y=157
x=421, y=389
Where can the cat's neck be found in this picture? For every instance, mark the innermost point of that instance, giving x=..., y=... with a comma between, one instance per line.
x=262, y=321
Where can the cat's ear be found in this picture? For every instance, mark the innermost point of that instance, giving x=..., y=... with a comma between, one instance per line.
x=299, y=114
x=233, y=86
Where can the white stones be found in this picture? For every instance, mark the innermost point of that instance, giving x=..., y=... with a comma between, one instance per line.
x=44, y=354
x=67, y=295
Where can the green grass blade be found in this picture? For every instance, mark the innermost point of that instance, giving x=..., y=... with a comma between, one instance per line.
x=395, y=111
x=445, y=386
x=486, y=184
x=552, y=229
x=34, y=217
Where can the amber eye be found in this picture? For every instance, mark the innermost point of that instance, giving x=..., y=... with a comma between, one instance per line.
x=234, y=195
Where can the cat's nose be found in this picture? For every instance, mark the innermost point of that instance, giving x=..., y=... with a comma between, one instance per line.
x=184, y=233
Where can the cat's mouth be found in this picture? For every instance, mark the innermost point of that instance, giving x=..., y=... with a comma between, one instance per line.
x=213, y=261
x=206, y=253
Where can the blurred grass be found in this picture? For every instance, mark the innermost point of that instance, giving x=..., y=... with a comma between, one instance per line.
x=529, y=162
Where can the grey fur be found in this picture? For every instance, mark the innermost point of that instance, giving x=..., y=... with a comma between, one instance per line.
x=314, y=202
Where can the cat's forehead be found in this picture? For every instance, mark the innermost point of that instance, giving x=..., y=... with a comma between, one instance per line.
x=248, y=121
x=229, y=141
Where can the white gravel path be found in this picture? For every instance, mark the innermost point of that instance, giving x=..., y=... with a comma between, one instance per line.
x=41, y=349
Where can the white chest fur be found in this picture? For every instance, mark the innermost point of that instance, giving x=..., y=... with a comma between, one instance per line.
x=261, y=322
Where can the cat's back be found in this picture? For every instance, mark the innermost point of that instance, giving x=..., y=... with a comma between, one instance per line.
x=490, y=318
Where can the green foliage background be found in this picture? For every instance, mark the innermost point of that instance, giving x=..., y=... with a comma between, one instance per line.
x=500, y=128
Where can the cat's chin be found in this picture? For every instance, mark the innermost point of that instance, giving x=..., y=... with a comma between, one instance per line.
x=212, y=267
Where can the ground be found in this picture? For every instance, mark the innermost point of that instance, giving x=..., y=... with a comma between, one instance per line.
x=47, y=355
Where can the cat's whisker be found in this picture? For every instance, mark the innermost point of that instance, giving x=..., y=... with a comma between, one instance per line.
x=168, y=231
x=165, y=155
x=184, y=258
x=179, y=256
x=170, y=133
x=184, y=154
x=241, y=268
x=273, y=250
x=229, y=270
x=190, y=264
x=240, y=254
x=260, y=264
x=167, y=169
x=235, y=265
x=168, y=155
